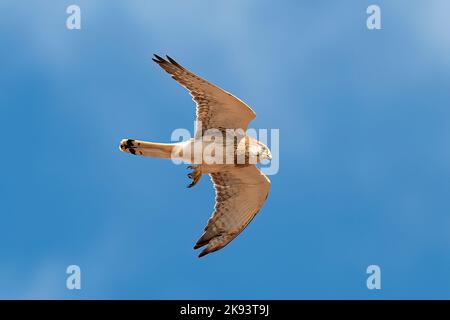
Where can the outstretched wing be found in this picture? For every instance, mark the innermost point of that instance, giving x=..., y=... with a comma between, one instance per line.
x=240, y=193
x=216, y=108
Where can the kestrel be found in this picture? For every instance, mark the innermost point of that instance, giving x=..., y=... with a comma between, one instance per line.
x=220, y=148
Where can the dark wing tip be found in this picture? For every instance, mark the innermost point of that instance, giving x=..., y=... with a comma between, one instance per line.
x=158, y=58
x=202, y=241
x=203, y=253
x=161, y=61
x=198, y=245
x=173, y=62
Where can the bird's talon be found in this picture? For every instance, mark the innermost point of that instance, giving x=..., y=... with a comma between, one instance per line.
x=195, y=175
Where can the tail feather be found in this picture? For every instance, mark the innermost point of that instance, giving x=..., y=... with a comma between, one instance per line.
x=146, y=149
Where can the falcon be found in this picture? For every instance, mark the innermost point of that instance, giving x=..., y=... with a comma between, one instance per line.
x=220, y=148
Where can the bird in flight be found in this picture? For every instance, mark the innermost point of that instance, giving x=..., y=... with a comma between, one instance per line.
x=220, y=148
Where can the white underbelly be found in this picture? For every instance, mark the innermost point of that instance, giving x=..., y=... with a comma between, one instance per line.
x=205, y=151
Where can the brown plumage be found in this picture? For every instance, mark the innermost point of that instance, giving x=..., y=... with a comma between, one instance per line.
x=241, y=189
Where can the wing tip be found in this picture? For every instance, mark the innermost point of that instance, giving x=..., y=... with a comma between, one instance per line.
x=172, y=61
x=208, y=250
x=160, y=60
x=203, y=241
x=213, y=244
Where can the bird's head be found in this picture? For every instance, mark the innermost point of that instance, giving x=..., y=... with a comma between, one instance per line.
x=263, y=152
x=256, y=150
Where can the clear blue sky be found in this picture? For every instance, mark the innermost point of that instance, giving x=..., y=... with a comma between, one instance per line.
x=364, y=119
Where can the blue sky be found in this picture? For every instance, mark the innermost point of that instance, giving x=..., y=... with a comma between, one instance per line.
x=364, y=123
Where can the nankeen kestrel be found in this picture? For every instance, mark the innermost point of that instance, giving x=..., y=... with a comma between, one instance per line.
x=220, y=148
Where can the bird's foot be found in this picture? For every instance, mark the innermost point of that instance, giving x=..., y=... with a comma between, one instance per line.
x=195, y=175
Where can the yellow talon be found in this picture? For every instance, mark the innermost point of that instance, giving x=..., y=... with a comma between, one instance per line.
x=195, y=175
